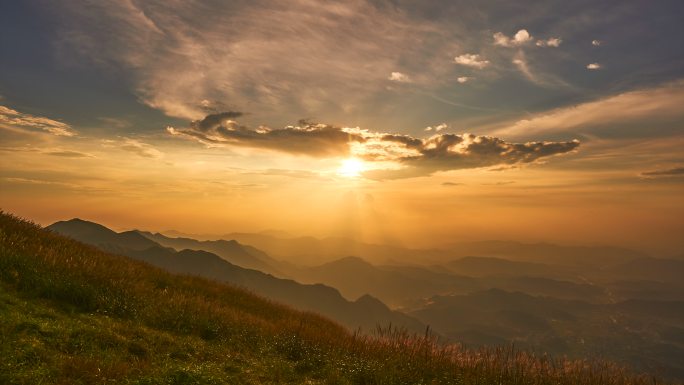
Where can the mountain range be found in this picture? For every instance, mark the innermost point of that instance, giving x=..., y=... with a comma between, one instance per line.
x=366, y=312
x=558, y=300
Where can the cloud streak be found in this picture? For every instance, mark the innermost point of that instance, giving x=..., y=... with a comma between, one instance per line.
x=135, y=146
x=642, y=107
x=14, y=118
x=69, y=154
x=545, y=80
x=677, y=171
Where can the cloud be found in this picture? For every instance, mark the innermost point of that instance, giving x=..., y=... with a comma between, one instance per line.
x=551, y=42
x=596, y=43
x=471, y=60
x=677, y=171
x=451, y=184
x=135, y=146
x=296, y=174
x=36, y=181
x=115, y=122
x=299, y=57
x=642, y=107
x=69, y=154
x=444, y=152
x=409, y=156
x=307, y=138
x=463, y=79
x=594, y=66
x=541, y=79
x=521, y=62
x=521, y=37
x=500, y=183
x=399, y=77
x=437, y=128
x=10, y=117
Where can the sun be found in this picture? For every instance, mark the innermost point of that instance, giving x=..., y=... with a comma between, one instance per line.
x=351, y=168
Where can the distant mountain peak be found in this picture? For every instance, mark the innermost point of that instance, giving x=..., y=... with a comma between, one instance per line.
x=369, y=301
x=350, y=261
x=78, y=224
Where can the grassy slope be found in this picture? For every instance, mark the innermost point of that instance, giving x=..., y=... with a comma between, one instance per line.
x=72, y=314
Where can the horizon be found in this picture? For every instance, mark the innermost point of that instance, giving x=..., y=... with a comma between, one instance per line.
x=388, y=122
x=280, y=234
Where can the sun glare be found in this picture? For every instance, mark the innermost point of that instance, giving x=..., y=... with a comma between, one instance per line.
x=351, y=168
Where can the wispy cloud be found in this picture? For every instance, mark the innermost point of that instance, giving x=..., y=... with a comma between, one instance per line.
x=677, y=171
x=451, y=184
x=596, y=43
x=521, y=62
x=471, y=60
x=641, y=106
x=115, y=122
x=594, y=66
x=135, y=146
x=271, y=55
x=69, y=154
x=541, y=79
x=10, y=117
x=296, y=174
x=464, y=79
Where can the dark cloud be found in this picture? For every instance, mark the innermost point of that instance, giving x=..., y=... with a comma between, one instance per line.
x=213, y=121
x=306, y=138
x=669, y=172
x=69, y=154
x=446, y=152
x=419, y=157
x=406, y=140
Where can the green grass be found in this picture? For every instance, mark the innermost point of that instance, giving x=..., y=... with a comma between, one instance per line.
x=71, y=314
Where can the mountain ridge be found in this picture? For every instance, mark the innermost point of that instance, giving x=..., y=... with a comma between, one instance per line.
x=320, y=298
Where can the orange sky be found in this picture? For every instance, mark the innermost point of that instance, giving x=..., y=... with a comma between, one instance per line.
x=420, y=124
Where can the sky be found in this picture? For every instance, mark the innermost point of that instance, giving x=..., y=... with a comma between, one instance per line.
x=413, y=123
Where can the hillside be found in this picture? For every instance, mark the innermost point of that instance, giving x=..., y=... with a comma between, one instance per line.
x=74, y=314
x=318, y=298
